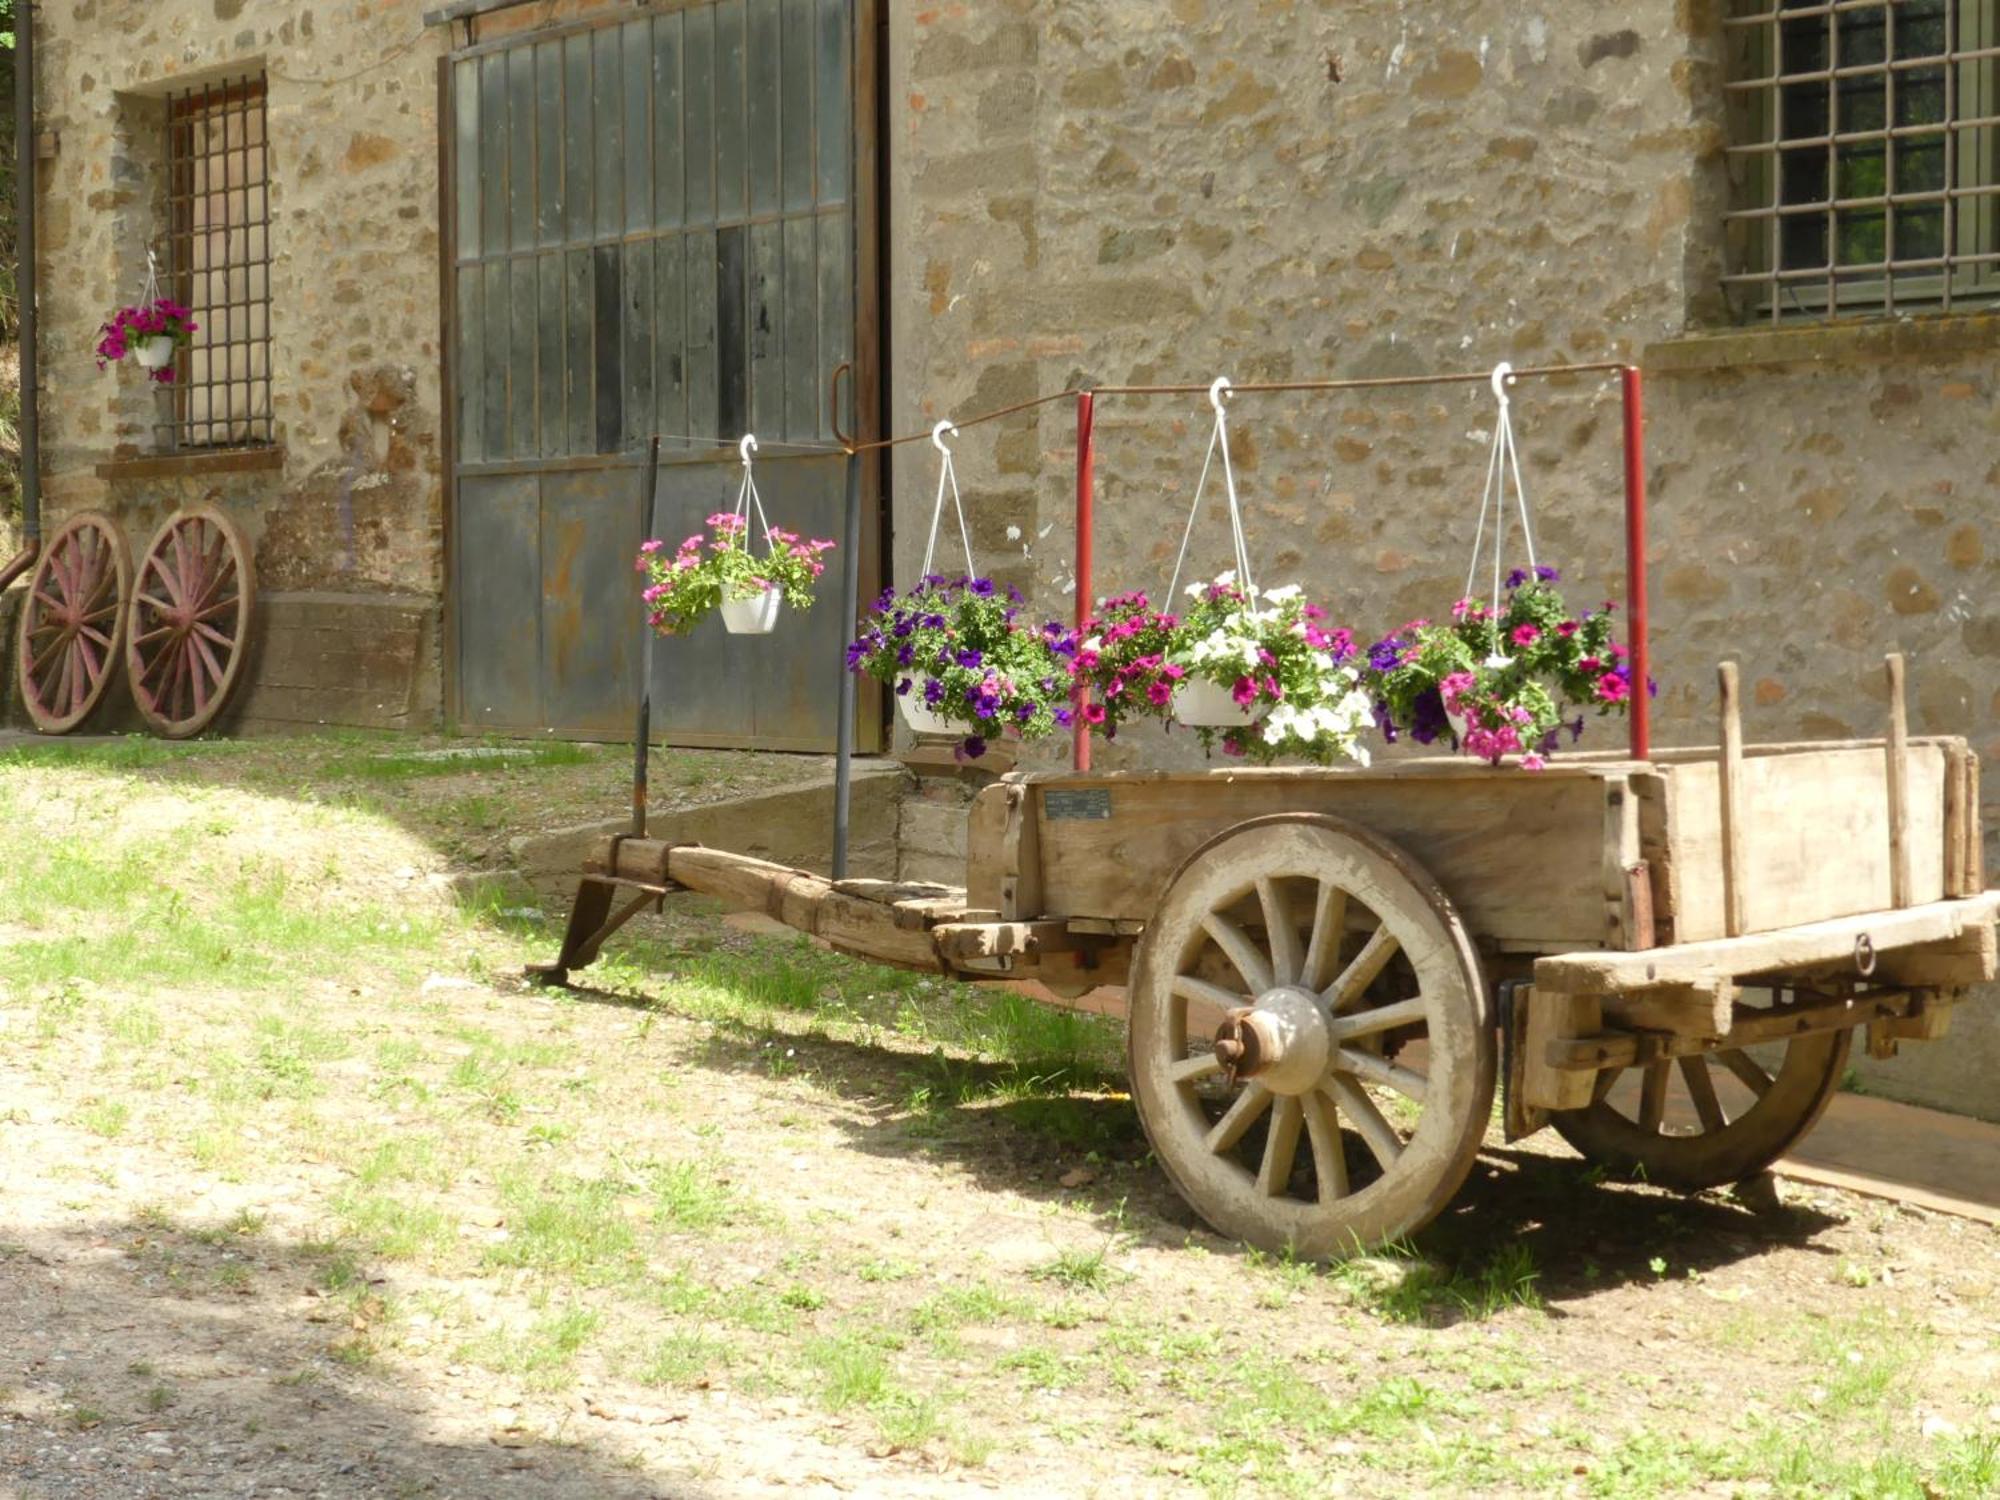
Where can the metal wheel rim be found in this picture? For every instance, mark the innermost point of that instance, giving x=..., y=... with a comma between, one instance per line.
x=190, y=622
x=1728, y=1144
x=71, y=622
x=1317, y=1162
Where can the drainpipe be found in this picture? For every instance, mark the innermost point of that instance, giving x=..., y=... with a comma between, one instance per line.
x=24, y=286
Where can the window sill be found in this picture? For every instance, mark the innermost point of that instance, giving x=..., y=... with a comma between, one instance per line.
x=1851, y=342
x=204, y=461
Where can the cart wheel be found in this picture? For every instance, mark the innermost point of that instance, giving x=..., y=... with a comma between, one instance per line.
x=1278, y=990
x=1740, y=1130
x=71, y=621
x=190, y=622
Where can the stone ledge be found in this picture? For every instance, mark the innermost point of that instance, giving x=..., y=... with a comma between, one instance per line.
x=1826, y=344
x=210, y=461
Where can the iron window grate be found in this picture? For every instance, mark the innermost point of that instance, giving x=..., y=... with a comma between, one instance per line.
x=219, y=264
x=1864, y=156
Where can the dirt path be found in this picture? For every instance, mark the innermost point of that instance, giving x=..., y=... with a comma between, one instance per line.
x=302, y=1194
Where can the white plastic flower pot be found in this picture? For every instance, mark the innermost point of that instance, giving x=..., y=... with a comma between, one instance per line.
x=757, y=615
x=1201, y=704
x=918, y=714
x=155, y=353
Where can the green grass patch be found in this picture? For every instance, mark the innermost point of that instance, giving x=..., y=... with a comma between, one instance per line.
x=575, y=1225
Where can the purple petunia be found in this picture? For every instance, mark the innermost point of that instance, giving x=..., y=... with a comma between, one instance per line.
x=969, y=658
x=933, y=692
x=1386, y=656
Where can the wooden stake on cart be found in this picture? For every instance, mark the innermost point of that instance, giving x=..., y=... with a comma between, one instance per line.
x=1732, y=799
x=1898, y=751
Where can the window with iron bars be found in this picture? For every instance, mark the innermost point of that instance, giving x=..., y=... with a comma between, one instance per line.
x=1864, y=155
x=219, y=264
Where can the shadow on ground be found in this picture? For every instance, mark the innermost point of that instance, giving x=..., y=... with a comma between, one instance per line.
x=146, y=1361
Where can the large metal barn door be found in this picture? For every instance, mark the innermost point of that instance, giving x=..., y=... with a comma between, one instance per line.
x=651, y=229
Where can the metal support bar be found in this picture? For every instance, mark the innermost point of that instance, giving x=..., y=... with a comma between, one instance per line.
x=850, y=616
x=1636, y=613
x=1086, y=526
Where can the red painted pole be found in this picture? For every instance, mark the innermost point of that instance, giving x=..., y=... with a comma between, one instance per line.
x=1086, y=411
x=1635, y=563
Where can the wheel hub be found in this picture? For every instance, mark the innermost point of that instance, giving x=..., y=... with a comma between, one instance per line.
x=1284, y=1040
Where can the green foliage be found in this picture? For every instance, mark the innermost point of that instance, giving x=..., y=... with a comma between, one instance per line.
x=705, y=571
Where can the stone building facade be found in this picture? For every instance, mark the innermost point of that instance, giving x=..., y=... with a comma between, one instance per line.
x=1131, y=192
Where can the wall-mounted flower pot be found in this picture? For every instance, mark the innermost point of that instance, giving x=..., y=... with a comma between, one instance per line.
x=756, y=615
x=918, y=714
x=1201, y=704
x=155, y=353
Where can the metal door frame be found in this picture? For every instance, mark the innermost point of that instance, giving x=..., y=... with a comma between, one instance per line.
x=865, y=219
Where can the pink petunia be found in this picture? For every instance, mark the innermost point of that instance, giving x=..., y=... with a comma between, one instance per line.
x=1160, y=692
x=1245, y=691
x=1532, y=762
x=1526, y=635
x=1613, y=688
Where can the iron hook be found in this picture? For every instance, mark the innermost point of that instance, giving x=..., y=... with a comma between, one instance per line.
x=1503, y=376
x=1217, y=391
x=747, y=447
x=937, y=436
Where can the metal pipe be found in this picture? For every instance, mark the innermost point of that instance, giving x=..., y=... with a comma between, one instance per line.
x=642, y=741
x=1635, y=563
x=24, y=275
x=1086, y=526
x=850, y=613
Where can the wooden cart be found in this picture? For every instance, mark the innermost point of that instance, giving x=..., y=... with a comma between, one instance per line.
x=1327, y=971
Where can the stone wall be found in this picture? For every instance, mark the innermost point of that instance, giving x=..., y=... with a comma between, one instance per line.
x=347, y=527
x=1131, y=193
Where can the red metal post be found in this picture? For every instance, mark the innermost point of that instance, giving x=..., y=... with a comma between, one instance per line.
x=1635, y=563
x=1086, y=411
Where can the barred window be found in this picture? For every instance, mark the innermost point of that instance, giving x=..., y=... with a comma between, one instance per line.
x=219, y=261
x=1862, y=153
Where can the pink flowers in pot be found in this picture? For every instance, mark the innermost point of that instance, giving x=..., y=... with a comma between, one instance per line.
x=151, y=332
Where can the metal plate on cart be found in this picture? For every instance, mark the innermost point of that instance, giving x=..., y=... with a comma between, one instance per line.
x=1074, y=803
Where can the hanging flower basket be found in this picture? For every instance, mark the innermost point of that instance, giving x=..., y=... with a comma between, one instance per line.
x=960, y=662
x=716, y=571
x=1201, y=704
x=151, y=333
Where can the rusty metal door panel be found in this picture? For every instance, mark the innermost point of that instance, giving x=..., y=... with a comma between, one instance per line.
x=650, y=234
x=499, y=576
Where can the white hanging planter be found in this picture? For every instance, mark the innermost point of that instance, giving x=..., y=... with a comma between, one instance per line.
x=756, y=615
x=1201, y=704
x=918, y=714
x=155, y=353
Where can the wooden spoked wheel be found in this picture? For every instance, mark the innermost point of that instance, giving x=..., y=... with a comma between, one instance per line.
x=190, y=625
x=1743, y=1117
x=71, y=621
x=1311, y=1049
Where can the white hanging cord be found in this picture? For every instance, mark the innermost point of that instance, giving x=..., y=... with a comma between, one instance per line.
x=947, y=475
x=151, y=291
x=1503, y=459
x=1218, y=438
x=747, y=496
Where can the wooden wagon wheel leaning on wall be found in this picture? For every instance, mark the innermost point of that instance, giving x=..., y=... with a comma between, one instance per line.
x=71, y=622
x=1318, y=955
x=190, y=625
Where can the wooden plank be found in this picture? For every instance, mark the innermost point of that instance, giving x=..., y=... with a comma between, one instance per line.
x=465, y=122
x=801, y=900
x=766, y=328
x=986, y=835
x=1752, y=1029
x=795, y=108
x=1806, y=947
x=499, y=315
x=1731, y=808
x=1554, y=1018
x=523, y=439
x=802, y=371
x=836, y=319
x=1468, y=829
x=669, y=128
x=639, y=302
x=763, y=68
x=732, y=338
x=1696, y=1010
x=832, y=95
x=579, y=214
x=607, y=314
x=635, y=46
x=1897, y=776
x=549, y=143
x=492, y=158
x=551, y=355
x=1954, y=820
x=1975, y=830
x=1958, y=963
x=1805, y=805
x=1021, y=858
x=470, y=384
x=669, y=337
x=1033, y=950
x=579, y=311
x=698, y=110
x=703, y=387
x=1621, y=858
x=732, y=199
x=521, y=183
x=607, y=133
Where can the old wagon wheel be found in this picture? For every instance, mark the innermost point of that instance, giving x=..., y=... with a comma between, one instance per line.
x=71, y=620
x=1736, y=1132
x=1292, y=965
x=190, y=625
